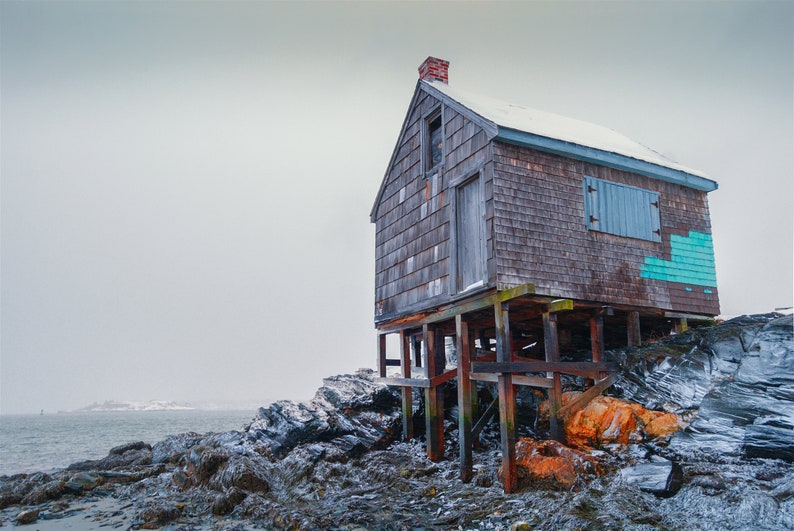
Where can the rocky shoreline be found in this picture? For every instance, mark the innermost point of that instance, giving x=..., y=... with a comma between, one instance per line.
x=336, y=462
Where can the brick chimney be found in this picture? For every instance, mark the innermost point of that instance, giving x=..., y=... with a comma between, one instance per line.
x=434, y=69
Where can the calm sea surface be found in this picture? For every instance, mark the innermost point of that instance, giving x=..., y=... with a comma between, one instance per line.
x=31, y=443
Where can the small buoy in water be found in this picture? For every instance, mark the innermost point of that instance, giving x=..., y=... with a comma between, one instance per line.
x=42, y=412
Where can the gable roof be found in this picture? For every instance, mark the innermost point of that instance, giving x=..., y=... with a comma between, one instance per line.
x=557, y=134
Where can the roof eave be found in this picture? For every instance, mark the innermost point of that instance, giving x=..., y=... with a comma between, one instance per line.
x=373, y=213
x=605, y=158
x=489, y=127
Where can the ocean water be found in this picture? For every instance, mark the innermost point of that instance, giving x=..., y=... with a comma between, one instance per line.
x=30, y=443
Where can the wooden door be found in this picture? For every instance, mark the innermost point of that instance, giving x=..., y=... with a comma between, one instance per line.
x=470, y=231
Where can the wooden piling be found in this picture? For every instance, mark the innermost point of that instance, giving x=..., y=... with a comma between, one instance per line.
x=434, y=405
x=597, y=340
x=507, y=399
x=464, y=397
x=555, y=393
x=407, y=392
x=634, y=338
x=382, y=355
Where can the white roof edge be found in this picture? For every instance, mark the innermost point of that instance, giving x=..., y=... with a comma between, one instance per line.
x=538, y=123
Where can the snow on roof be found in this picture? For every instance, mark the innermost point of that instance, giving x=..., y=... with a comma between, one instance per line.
x=550, y=125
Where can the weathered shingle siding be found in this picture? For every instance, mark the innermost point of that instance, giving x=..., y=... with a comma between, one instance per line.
x=541, y=236
x=412, y=239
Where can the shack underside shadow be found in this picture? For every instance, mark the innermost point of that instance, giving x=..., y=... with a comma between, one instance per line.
x=511, y=338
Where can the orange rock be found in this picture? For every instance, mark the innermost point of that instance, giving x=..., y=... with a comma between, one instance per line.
x=552, y=462
x=664, y=425
x=608, y=420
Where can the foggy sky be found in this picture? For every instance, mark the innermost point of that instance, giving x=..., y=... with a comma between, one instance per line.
x=185, y=187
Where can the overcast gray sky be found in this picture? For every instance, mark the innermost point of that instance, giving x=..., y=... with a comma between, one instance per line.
x=186, y=186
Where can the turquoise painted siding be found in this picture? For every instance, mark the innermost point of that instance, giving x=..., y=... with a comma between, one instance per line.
x=691, y=262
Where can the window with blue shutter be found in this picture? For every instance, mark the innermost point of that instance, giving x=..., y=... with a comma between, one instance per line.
x=621, y=210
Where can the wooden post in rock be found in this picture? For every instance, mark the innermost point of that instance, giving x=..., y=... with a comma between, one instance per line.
x=555, y=393
x=507, y=399
x=597, y=339
x=681, y=325
x=464, y=397
x=633, y=329
x=407, y=392
x=434, y=405
x=382, y=355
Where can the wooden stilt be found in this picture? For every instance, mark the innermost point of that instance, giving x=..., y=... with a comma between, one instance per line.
x=633, y=328
x=407, y=392
x=434, y=415
x=417, y=344
x=507, y=399
x=464, y=398
x=382, y=355
x=473, y=399
x=555, y=393
x=597, y=340
x=681, y=325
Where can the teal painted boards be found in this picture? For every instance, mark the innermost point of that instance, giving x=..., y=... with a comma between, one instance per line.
x=691, y=262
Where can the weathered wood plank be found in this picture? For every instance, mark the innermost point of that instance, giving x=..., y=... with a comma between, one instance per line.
x=405, y=382
x=464, y=397
x=444, y=377
x=689, y=316
x=486, y=416
x=560, y=305
x=449, y=311
x=518, y=379
x=578, y=368
x=582, y=400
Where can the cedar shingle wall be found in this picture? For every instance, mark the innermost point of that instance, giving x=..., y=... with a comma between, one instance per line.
x=540, y=234
x=412, y=255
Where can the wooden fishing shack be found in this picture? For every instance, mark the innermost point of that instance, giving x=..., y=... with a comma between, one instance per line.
x=519, y=234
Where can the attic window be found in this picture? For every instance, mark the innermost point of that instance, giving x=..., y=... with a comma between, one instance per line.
x=433, y=141
x=621, y=210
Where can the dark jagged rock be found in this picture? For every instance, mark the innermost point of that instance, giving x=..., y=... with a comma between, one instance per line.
x=333, y=463
x=226, y=502
x=736, y=380
x=49, y=491
x=83, y=481
x=155, y=515
x=119, y=457
x=345, y=406
x=130, y=447
x=27, y=517
x=174, y=447
x=661, y=477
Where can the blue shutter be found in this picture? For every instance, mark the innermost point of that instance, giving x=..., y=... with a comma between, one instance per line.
x=621, y=210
